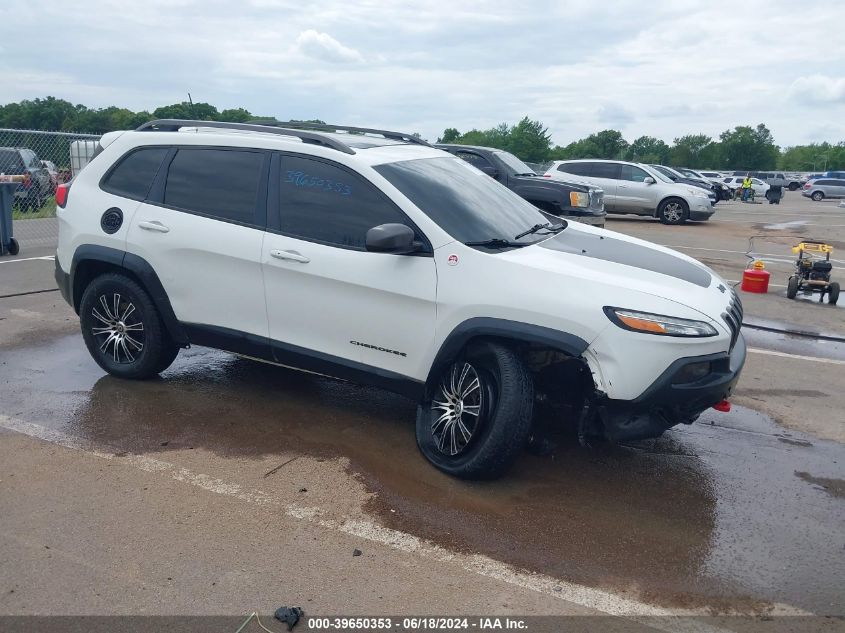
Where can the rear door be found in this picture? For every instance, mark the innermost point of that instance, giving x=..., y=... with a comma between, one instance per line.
x=596, y=174
x=201, y=228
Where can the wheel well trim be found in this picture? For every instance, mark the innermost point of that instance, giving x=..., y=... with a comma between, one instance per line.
x=504, y=329
x=141, y=270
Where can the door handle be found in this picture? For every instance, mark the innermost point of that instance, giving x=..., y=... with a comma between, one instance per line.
x=290, y=255
x=153, y=225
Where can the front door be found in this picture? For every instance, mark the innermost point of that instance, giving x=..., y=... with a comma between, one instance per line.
x=334, y=307
x=632, y=192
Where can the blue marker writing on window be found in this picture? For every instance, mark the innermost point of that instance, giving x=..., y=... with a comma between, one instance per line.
x=301, y=179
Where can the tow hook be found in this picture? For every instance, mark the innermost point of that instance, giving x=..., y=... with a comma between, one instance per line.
x=724, y=406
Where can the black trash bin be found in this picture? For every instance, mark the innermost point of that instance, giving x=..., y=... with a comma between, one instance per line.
x=775, y=192
x=8, y=244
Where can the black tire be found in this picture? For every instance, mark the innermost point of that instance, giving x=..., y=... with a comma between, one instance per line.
x=818, y=196
x=128, y=319
x=673, y=211
x=833, y=293
x=505, y=401
x=792, y=287
x=13, y=247
x=793, y=186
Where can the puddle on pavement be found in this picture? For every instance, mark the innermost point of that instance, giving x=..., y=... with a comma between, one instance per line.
x=730, y=512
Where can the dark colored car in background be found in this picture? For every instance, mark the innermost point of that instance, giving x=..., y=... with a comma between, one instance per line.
x=33, y=192
x=569, y=200
x=678, y=177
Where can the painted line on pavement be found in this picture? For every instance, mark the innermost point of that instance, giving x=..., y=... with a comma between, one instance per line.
x=815, y=359
x=46, y=258
x=588, y=597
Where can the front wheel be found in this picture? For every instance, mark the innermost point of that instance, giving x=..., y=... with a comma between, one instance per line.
x=673, y=211
x=122, y=328
x=479, y=416
x=833, y=293
x=818, y=196
x=792, y=287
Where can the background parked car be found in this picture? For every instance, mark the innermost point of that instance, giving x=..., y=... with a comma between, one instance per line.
x=675, y=176
x=834, y=174
x=824, y=188
x=760, y=188
x=568, y=199
x=35, y=189
x=50, y=166
x=634, y=188
x=722, y=191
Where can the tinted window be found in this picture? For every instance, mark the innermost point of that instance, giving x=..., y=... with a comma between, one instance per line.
x=466, y=204
x=635, y=174
x=134, y=175
x=10, y=162
x=605, y=170
x=474, y=159
x=579, y=169
x=216, y=182
x=825, y=182
x=325, y=203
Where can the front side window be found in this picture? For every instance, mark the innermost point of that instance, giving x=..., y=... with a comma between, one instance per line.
x=220, y=183
x=326, y=203
x=476, y=160
x=634, y=174
x=133, y=176
x=465, y=203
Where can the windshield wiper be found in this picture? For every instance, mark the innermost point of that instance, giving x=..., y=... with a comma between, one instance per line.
x=496, y=242
x=556, y=228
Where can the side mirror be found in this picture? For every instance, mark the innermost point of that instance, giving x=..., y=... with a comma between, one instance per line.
x=648, y=180
x=391, y=238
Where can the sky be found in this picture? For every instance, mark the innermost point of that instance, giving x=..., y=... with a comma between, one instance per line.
x=656, y=68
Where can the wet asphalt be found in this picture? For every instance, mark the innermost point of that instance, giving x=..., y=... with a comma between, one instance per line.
x=731, y=512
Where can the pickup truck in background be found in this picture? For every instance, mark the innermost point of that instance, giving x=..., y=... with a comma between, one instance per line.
x=576, y=201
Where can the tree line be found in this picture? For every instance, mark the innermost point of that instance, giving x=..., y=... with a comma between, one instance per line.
x=743, y=147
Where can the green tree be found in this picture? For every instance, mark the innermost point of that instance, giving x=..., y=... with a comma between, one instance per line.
x=529, y=140
x=745, y=147
x=648, y=149
x=687, y=150
x=235, y=115
x=450, y=135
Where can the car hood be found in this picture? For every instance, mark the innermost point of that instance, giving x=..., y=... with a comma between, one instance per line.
x=609, y=258
x=539, y=181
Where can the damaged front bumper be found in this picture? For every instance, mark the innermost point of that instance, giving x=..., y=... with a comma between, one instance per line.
x=688, y=387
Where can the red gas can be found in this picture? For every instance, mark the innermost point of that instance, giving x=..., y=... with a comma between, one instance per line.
x=755, y=279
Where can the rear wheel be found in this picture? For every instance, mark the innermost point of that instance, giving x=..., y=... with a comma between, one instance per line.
x=833, y=293
x=817, y=196
x=792, y=287
x=13, y=247
x=122, y=328
x=673, y=211
x=479, y=417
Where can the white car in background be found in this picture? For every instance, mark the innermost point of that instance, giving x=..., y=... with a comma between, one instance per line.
x=735, y=182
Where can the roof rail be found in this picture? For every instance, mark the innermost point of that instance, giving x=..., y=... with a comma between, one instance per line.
x=314, y=138
x=328, y=127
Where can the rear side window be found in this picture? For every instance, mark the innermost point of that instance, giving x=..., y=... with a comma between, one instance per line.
x=133, y=176
x=10, y=162
x=219, y=183
x=579, y=169
x=825, y=182
x=322, y=202
x=605, y=170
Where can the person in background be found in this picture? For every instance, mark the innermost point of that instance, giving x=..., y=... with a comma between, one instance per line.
x=746, y=187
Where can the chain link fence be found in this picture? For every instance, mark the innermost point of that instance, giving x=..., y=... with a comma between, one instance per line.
x=45, y=160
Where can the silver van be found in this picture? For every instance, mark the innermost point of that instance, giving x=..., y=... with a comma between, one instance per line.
x=824, y=188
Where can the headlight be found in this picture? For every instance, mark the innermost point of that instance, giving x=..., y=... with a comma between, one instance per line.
x=698, y=193
x=579, y=199
x=658, y=323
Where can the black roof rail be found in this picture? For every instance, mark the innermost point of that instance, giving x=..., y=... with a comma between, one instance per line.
x=314, y=138
x=328, y=127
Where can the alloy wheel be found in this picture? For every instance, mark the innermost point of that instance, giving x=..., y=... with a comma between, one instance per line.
x=460, y=404
x=120, y=333
x=673, y=212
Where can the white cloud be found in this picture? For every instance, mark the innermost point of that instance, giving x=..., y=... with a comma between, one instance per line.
x=818, y=89
x=324, y=47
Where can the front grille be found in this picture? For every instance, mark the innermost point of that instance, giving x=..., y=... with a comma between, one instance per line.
x=596, y=199
x=733, y=317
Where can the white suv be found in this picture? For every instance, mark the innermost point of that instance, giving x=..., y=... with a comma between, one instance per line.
x=634, y=188
x=373, y=257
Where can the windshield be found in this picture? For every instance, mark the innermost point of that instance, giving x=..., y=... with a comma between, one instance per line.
x=657, y=172
x=514, y=163
x=466, y=203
